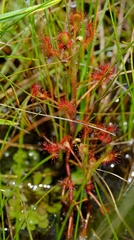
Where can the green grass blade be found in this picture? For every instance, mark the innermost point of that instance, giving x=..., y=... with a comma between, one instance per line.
x=7, y=122
x=18, y=14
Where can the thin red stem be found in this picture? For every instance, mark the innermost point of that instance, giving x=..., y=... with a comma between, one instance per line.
x=70, y=227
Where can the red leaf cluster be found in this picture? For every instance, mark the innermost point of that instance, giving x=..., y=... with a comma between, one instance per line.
x=37, y=91
x=106, y=137
x=64, y=40
x=67, y=107
x=52, y=148
x=75, y=20
x=90, y=33
x=47, y=47
x=105, y=72
x=111, y=157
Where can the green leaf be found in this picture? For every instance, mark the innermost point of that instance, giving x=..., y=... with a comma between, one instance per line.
x=18, y=14
x=7, y=122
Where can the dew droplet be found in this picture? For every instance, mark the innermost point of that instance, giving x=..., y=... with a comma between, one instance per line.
x=73, y=5
x=127, y=156
x=117, y=100
x=109, y=54
x=112, y=165
x=131, y=142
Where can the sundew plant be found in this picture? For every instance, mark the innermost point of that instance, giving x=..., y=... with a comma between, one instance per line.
x=66, y=119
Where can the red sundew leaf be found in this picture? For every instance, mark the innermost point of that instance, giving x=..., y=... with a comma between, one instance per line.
x=75, y=20
x=64, y=40
x=107, y=69
x=67, y=107
x=38, y=92
x=90, y=33
x=97, y=75
x=104, y=72
x=111, y=157
x=35, y=89
x=67, y=183
x=47, y=48
x=52, y=148
x=104, y=137
x=112, y=128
